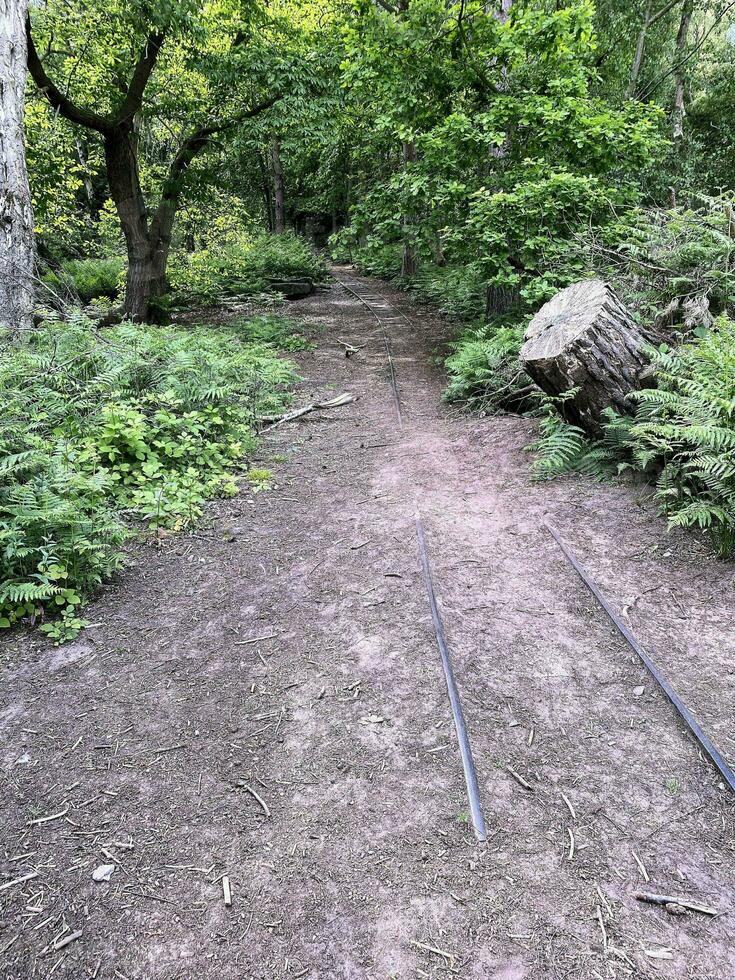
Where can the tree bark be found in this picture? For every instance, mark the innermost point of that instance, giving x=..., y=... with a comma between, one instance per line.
x=585, y=339
x=279, y=193
x=265, y=184
x=408, y=221
x=17, y=247
x=677, y=109
x=122, y=175
x=649, y=19
x=635, y=69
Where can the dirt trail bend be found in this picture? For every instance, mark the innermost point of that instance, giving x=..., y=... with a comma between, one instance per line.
x=264, y=700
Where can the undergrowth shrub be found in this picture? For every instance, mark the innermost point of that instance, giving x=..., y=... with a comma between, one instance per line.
x=90, y=278
x=669, y=259
x=682, y=436
x=458, y=291
x=98, y=431
x=243, y=264
x=685, y=431
x=483, y=368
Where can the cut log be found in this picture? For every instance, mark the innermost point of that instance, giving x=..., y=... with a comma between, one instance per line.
x=293, y=288
x=585, y=339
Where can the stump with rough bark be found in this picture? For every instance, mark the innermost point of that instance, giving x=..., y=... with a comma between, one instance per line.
x=585, y=339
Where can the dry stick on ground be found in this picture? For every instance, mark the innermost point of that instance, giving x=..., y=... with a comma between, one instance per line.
x=520, y=779
x=338, y=402
x=350, y=349
x=18, y=881
x=255, y=796
x=256, y=639
x=226, y=890
x=675, y=900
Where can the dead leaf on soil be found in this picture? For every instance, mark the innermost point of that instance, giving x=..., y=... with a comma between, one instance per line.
x=103, y=873
x=660, y=954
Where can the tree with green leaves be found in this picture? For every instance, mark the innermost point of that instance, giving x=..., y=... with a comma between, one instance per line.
x=203, y=88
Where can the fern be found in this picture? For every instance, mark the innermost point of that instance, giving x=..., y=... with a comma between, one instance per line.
x=144, y=421
x=685, y=430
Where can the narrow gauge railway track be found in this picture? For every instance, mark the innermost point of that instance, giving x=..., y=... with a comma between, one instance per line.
x=455, y=701
x=381, y=308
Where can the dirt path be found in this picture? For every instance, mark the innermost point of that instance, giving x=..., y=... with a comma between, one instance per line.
x=149, y=737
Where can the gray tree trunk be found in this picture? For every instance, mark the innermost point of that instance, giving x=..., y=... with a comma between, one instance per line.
x=585, y=339
x=635, y=69
x=279, y=191
x=17, y=246
x=408, y=261
x=677, y=109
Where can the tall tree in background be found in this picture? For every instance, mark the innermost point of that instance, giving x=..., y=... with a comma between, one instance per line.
x=148, y=230
x=677, y=109
x=651, y=17
x=17, y=252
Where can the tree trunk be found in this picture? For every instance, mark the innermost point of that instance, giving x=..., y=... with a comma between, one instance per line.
x=265, y=185
x=635, y=69
x=17, y=248
x=677, y=109
x=122, y=176
x=279, y=193
x=585, y=339
x=408, y=262
x=86, y=179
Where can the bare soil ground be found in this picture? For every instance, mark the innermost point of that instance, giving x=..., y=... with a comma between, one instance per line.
x=284, y=653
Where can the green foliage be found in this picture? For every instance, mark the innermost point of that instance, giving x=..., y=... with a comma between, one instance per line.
x=66, y=628
x=685, y=431
x=457, y=291
x=560, y=447
x=564, y=448
x=656, y=257
x=89, y=278
x=682, y=435
x=280, y=332
x=241, y=265
x=101, y=430
x=484, y=368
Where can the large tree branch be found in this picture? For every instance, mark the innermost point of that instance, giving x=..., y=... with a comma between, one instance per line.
x=662, y=12
x=205, y=132
x=189, y=149
x=62, y=103
x=142, y=72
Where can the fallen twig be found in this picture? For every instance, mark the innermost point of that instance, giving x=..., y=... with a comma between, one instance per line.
x=350, y=349
x=18, y=881
x=520, y=779
x=257, y=639
x=338, y=402
x=255, y=796
x=67, y=939
x=653, y=899
x=52, y=816
x=641, y=866
x=226, y=890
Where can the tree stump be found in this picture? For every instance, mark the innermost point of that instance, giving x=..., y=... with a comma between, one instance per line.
x=585, y=339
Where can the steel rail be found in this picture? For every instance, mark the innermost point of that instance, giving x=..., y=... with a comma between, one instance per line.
x=388, y=351
x=465, y=750
x=707, y=746
x=455, y=702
